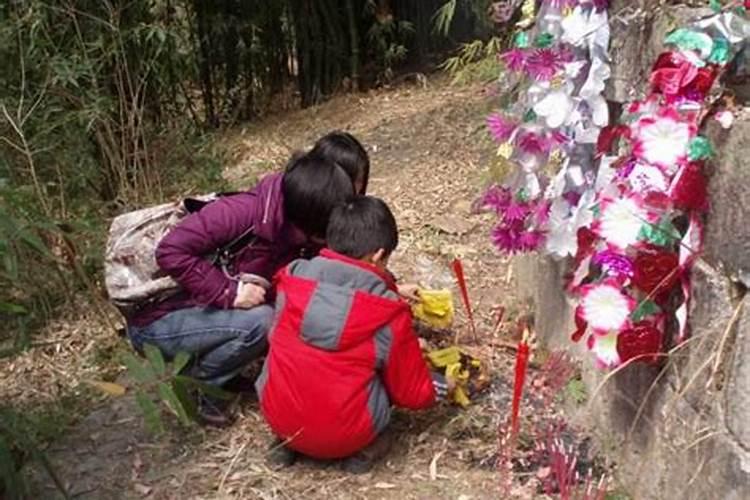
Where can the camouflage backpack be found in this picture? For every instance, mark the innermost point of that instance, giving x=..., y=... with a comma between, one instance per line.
x=131, y=275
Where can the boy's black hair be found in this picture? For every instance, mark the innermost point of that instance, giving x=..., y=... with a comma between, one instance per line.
x=344, y=149
x=312, y=187
x=361, y=226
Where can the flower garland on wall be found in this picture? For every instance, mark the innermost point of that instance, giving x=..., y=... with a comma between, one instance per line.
x=632, y=221
x=632, y=263
x=547, y=138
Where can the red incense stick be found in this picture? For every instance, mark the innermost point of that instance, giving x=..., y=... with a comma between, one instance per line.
x=458, y=270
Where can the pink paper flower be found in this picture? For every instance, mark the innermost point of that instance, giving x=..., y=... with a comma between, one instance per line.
x=500, y=127
x=516, y=211
x=514, y=59
x=614, y=264
x=543, y=64
x=533, y=143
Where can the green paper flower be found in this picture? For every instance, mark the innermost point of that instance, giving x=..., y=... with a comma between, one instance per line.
x=522, y=196
x=700, y=149
x=721, y=51
x=715, y=5
x=644, y=309
x=521, y=40
x=662, y=234
x=686, y=39
x=544, y=40
x=529, y=116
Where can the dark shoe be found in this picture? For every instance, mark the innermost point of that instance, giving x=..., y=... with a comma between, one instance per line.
x=214, y=412
x=363, y=462
x=240, y=385
x=280, y=456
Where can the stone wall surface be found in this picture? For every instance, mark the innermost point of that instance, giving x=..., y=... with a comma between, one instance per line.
x=682, y=432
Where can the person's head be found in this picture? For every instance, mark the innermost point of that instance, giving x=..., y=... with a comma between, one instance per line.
x=364, y=228
x=312, y=187
x=345, y=150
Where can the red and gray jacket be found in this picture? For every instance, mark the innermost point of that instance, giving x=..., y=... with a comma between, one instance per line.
x=342, y=350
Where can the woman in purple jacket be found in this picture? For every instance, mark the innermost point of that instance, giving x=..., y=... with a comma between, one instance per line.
x=221, y=317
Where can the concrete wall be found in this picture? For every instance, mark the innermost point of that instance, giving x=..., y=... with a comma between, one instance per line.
x=682, y=432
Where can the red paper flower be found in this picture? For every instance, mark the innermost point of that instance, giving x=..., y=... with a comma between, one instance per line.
x=581, y=325
x=699, y=86
x=586, y=238
x=642, y=340
x=656, y=272
x=608, y=135
x=689, y=188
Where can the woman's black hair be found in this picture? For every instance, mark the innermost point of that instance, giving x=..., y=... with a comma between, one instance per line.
x=361, y=226
x=312, y=187
x=345, y=150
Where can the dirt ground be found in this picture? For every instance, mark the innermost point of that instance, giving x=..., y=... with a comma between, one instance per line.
x=429, y=152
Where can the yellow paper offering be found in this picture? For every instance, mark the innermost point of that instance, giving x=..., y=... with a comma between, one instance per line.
x=435, y=308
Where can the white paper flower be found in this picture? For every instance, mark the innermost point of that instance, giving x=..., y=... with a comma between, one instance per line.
x=606, y=308
x=621, y=222
x=604, y=347
x=555, y=107
x=564, y=223
x=644, y=178
x=663, y=140
x=725, y=118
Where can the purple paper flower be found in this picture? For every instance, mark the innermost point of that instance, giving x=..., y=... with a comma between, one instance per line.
x=529, y=241
x=496, y=198
x=614, y=264
x=500, y=127
x=514, y=59
x=516, y=211
x=543, y=64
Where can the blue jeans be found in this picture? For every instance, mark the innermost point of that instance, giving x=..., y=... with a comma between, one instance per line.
x=221, y=341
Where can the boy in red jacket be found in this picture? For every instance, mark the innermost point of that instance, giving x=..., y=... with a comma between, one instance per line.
x=342, y=347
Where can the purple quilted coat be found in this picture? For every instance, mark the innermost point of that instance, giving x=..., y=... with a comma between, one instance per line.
x=182, y=252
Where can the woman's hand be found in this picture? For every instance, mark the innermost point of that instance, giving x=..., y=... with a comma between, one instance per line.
x=249, y=295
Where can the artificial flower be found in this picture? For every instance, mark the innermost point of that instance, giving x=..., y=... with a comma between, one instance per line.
x=533, y=143
x=689, y=188
x=641, y=342
x=543, y=64
x=700, y=149
x=621, y=221
x=644, y=178
x=613, y=264
x=671, y=80
x=686, y=39
x=725, y=119
x=581, y=325
x=500, y=127
x=656, y=272
x=565, y=221
x=516, y=211
x=604, y=348
x=514, y=59
x=605, y=307
x=698, y=88
x=663, y=140
x=609, y=135
x=496, y=198
x=556, y=107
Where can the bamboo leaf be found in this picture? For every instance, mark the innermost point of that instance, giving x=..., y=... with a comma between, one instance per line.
x=154, y=356
x=207, y=389
x=150, y=412
x=186, y=397
x=170, y=398
x=141, y=372
x=180, y=362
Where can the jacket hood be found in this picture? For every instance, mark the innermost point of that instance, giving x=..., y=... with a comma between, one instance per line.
x=349, y=303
